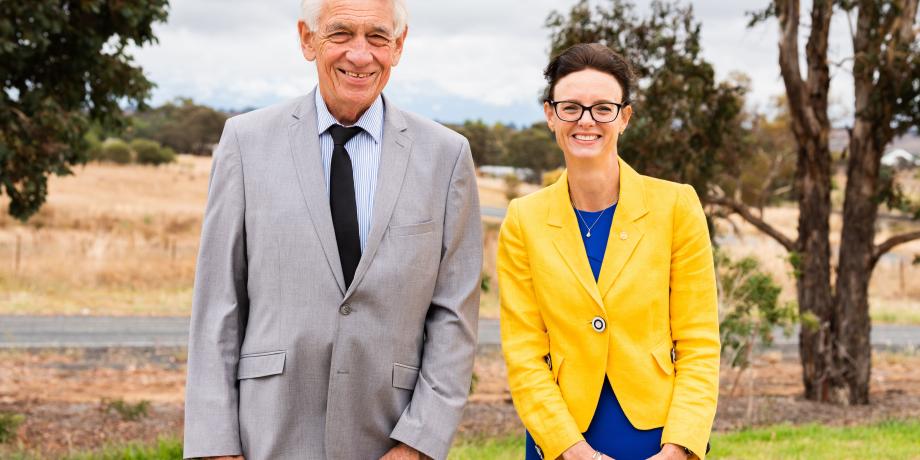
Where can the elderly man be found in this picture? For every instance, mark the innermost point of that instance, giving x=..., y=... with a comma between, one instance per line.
x=337, y=287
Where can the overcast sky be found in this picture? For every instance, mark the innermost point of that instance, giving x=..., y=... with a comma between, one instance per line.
x=472, y=59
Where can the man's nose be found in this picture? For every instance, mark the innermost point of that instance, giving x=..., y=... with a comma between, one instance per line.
x=359, y=54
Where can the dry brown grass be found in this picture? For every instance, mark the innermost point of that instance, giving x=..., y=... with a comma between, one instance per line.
x=123, y=240
x=110, y=240
x=894, y=292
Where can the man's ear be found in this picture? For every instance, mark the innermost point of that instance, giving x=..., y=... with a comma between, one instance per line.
x=306, y=40
x=397, y=51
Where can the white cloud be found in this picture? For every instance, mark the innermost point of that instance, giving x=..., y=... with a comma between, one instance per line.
x=485, y=55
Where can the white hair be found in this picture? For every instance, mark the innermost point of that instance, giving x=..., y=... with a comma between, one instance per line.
x=309, y=12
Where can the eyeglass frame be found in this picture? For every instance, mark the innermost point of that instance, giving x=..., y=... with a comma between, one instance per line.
x=588, y=108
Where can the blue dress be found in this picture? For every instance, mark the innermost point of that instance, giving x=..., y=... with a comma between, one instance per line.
x=610, y=431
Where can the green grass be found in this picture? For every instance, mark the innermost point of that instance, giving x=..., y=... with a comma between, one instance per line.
x=888, y=440
x=511, y=448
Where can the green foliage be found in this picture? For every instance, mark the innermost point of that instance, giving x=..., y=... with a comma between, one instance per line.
x=764, y=173
x=183, y=126
x=126, y=410
x=683, y=115
x=535, y=148
x=151, y=152
x=116, y=151
x=64, y=65
x=484, y=142
x=749, y=308
x=485, y=283
x=9, y=423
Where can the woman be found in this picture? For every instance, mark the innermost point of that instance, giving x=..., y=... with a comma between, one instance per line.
x=608, y=299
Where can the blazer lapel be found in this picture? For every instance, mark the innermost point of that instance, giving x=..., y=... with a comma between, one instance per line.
x=626, y=230
x=394, y=158
x=308, y=163
x=568, y=238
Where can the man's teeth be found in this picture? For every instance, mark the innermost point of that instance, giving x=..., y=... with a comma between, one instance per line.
x=583, y=137
x=357, y=75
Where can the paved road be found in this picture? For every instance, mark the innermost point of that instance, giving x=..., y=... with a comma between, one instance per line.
x=104, y=331
x=493, y=212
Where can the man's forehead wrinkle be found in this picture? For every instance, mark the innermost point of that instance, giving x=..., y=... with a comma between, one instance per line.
x=343, y=14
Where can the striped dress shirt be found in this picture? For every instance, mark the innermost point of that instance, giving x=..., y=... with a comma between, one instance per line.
x=364, y=150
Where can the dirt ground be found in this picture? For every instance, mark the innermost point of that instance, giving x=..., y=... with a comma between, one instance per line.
x=65, y=396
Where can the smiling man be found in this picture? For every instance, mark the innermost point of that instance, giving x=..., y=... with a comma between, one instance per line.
x=337, y=287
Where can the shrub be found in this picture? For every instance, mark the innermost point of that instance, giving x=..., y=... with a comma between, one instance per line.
x=9, y=423
x=127, y=411
x=116, y=151
x=749, y=308
x=151, y=152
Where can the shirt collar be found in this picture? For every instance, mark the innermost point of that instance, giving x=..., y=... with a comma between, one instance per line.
x=371, y=121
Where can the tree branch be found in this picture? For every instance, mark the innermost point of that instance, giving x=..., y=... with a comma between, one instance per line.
x=746, y=214
x=890, y=244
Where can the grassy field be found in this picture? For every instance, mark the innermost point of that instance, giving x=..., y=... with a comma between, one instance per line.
x=890, y=440
x=122, y=240
x=895, y=440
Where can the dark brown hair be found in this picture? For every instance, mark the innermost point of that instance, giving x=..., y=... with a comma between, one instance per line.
x=588, y=56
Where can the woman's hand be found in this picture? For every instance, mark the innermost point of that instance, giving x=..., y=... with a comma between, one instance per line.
x=581, y=451
x=670, y=452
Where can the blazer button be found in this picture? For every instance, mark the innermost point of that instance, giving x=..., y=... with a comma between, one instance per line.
x=598, y=324
x=345, y=309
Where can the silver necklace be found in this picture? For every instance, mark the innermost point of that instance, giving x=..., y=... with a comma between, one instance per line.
x=590, y=227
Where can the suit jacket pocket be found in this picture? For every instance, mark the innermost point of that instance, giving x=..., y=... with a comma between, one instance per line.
x=404, y=376
x=260, y=365
x=412, y=229
x=663, y=356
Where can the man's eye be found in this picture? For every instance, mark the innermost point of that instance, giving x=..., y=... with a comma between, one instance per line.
x=378, y=40
x=340, y=37
x=570, y=108
x=603, y=109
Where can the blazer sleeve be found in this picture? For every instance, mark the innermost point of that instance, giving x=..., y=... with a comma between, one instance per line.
x=525, y=344
x=694, y=328
x=429, y=422
x=219, y=310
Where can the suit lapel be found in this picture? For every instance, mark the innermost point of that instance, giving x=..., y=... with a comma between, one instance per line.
x=568, y=238
x=394, y=158
x=308, y=163
x=627, y=228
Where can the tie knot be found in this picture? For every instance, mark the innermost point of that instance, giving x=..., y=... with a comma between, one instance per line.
x=341, y=134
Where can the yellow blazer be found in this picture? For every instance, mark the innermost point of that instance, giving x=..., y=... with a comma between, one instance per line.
x=656, y=293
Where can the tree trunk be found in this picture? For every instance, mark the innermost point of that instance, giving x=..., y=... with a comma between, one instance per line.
x=816, y=338
x=853, y=355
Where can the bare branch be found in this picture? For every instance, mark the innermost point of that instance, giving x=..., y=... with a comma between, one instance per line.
x=746, y=214
x=890, y=244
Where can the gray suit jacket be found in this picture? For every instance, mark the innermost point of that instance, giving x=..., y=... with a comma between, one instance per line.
x=283, y=362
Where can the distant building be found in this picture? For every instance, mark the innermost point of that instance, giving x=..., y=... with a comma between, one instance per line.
x=900, y=158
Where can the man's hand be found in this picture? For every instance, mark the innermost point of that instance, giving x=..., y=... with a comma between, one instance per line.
x=670, y=452
x=403, y=452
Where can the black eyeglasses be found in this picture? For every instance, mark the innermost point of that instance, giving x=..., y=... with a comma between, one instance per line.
x=604, y=112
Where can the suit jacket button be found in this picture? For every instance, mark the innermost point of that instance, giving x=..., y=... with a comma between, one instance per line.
x=598, y=324
x=345, y=309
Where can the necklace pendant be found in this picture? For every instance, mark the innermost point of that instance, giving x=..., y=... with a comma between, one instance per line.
x=588, y=234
